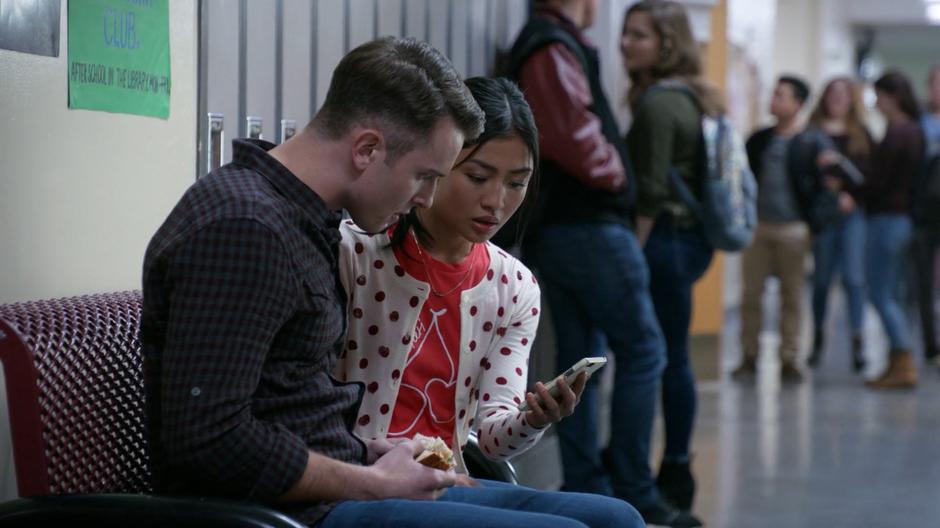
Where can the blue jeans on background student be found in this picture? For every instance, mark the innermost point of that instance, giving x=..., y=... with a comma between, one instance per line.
x=494, y=505
x=888, y=238
x=677, y=259
x=840, y=246
x=596, y=282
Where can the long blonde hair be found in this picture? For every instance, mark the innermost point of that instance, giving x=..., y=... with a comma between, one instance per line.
x=680, y=60
x=859, y=142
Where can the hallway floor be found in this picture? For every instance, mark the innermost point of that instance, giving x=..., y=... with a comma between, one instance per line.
x=827, y=452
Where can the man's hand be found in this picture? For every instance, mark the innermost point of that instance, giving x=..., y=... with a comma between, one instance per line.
x=377, y=448
x=466, y=481
x=397, y=475
x=552, y=410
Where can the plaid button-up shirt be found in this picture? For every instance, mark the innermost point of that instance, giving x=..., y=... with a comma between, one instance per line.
x=243, y=320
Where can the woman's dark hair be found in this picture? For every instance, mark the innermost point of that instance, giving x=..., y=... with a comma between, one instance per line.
x=507, y=115
x=898, y=86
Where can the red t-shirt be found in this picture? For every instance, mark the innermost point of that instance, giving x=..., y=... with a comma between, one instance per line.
x=425, y=401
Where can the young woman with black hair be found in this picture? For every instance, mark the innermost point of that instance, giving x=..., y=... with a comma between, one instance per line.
x=441, y=323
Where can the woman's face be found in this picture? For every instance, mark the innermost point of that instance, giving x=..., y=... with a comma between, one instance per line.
x=838, y=100
x=640, y=45
x=482, y=192
x=933, y=90
x=885, y=103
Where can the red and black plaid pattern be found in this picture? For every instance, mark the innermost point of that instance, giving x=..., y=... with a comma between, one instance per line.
x=243, y=318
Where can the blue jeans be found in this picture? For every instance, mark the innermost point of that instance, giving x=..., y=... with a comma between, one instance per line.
x=677, y=258
x=888, y=237
x=596, y=282
x=495, y=504
x=840, y=245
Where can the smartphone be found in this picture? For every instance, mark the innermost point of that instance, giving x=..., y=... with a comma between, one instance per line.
x=589, y=365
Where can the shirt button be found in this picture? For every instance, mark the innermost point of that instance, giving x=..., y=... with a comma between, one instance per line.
x=196, y=391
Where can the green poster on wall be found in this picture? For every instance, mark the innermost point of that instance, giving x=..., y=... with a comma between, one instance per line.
x=119, y=56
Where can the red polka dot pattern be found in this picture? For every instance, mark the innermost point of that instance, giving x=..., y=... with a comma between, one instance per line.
x=373, y=330
x=373, y=387
x=361, y=280
x=378, y=264
x=363, y=363
x=384, y=351
x=359, y=248
x=364, y=420
x=380, y=296
x=501, y=380
x=414, y=302
x=384, y=408
x=393, y=316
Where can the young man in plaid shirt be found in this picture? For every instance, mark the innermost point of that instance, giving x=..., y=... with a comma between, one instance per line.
x=244, y=316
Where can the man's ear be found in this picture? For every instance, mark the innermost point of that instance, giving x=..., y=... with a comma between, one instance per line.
x=368, y=146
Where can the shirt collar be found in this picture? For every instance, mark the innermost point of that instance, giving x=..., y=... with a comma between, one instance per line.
x=565, y=22
x=253, y=154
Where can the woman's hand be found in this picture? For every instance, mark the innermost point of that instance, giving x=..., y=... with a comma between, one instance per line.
x=552, y=410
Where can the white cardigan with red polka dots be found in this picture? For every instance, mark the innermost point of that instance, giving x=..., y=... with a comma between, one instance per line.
x=498, y=320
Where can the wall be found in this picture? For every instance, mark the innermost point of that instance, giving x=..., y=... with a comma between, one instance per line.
x=81, y=192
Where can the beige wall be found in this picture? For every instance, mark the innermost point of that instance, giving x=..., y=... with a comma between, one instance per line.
x=81, y=192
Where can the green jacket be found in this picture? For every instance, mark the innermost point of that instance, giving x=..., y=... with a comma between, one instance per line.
x=665, y=133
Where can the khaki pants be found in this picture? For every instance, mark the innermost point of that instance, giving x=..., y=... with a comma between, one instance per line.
x=779, y=250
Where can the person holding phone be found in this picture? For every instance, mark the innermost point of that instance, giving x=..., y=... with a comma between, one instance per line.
x=441, y=321
x=839, y=217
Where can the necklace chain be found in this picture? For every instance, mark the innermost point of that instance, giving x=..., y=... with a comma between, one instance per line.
x=427, y=270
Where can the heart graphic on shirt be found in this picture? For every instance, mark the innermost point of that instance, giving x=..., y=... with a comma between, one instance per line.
x=410, y=397
x=440, y=400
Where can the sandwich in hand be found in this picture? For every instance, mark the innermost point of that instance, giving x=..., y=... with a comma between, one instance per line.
x=436, y=454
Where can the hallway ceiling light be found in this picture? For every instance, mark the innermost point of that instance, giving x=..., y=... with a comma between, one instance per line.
x=933, y=12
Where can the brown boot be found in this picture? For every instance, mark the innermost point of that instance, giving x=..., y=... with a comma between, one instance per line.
x=900, y=374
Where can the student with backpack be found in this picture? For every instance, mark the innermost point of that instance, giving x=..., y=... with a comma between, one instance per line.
x=888, y=203
x=671, y=102
x=926, y=214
